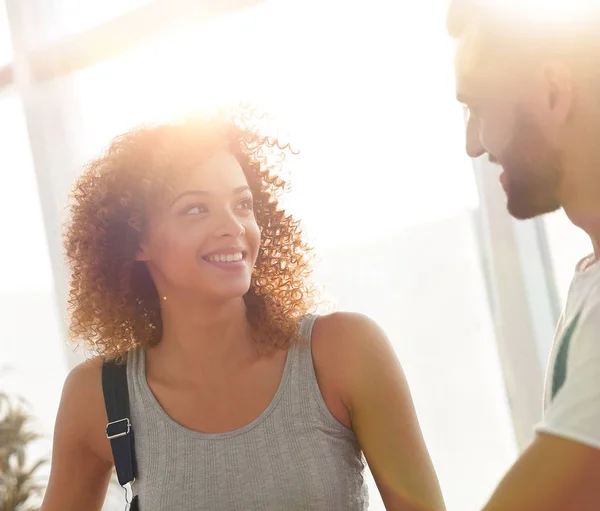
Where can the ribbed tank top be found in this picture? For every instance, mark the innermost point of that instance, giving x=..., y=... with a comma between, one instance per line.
x=294, y=456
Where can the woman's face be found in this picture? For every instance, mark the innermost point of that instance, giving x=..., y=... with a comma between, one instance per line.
x=203, y=239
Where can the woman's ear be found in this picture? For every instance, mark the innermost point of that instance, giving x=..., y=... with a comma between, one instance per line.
x=143, y=252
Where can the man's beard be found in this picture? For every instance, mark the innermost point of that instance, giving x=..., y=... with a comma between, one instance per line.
x=532, y=171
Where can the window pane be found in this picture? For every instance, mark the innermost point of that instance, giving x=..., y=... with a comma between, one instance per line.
x=78, y=15
x=32, y=361
x=385, y=193
x=6, y=52
x=568, y=245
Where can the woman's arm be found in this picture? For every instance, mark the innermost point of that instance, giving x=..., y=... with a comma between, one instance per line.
x=369, y=380
x=81, y=459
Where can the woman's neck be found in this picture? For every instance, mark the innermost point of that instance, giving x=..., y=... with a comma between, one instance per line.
x=203, y=342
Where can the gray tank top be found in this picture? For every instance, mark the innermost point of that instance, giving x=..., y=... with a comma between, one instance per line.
x=294, y=456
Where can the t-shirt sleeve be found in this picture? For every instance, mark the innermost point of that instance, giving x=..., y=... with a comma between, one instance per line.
x=574, y=413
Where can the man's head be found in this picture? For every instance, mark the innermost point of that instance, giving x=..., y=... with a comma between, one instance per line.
x=527, y=88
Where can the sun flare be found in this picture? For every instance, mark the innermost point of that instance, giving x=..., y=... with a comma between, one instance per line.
x=555, y=12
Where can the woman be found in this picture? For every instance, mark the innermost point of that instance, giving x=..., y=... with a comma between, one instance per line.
x=184, y=265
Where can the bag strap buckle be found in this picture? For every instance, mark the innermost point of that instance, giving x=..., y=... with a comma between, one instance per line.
x=111, y=434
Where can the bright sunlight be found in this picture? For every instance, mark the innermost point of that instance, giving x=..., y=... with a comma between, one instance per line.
x=573, y=13
x=331, y=94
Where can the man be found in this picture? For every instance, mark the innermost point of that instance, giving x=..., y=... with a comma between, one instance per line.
x=532, y=88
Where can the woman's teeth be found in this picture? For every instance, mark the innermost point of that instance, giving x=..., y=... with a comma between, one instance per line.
x=225, y=258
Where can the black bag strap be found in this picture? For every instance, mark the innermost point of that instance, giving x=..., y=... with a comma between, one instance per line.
x=118, y=429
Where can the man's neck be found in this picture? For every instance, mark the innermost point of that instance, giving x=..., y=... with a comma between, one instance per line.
x=580, y=193
x=587, y=218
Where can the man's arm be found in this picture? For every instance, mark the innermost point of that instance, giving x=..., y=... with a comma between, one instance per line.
x=553, y=474
x=560, y=471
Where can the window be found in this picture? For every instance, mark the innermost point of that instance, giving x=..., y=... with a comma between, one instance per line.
x=33, y=364
x=5, y=42
x=567, y=245
x=74, y=16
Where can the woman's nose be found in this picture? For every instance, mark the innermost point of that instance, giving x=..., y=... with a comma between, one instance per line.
x=230, y=226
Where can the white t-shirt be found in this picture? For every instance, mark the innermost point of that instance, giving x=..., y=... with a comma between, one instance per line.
x=572, y=391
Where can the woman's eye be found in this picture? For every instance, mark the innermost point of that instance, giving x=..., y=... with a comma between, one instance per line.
x=246, y=204
x=195, y=210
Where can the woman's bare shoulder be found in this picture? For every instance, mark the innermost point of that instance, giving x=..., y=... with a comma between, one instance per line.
x=340, y=343
x=82, y=410
x=81, y=456
x=86, y=372
x=347, y=335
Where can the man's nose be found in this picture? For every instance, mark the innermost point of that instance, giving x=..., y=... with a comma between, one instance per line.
x=474, y=147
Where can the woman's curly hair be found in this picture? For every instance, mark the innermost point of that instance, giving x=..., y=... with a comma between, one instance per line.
x=113, y=302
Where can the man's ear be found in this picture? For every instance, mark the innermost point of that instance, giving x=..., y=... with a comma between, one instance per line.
x=557, y=82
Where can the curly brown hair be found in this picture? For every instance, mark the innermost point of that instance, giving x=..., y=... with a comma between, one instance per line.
x=113, y=302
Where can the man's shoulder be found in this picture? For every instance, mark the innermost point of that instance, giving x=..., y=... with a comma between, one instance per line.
x=582, y=309
x=587, y=263
x=577, y=338
x=572, y=407
x=584, y=291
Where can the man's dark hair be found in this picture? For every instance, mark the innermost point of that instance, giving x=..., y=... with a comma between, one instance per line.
x=507, y=23
x=460, y=14
x=493, y=36
x=500, y=35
